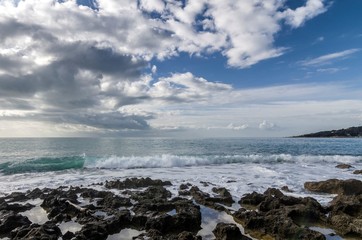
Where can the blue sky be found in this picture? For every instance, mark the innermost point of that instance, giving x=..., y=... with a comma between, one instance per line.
x=203, y=68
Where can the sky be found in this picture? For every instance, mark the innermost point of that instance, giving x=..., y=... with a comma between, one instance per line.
x=179, y=68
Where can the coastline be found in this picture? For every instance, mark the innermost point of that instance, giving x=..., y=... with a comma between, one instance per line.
x=144, y=208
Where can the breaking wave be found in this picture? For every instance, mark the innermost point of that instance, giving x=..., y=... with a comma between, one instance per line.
x=163, y=161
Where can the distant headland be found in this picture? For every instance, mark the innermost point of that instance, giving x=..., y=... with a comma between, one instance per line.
x=352, y=132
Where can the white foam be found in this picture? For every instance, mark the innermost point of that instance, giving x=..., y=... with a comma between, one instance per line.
x=239, y=178
x=168, y=161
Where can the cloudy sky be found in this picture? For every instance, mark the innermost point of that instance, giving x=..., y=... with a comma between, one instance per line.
x=203, y=68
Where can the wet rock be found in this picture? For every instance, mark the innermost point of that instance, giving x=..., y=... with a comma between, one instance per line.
x=130, y=183
x=187, y=216
x=343, y=166
x=46, y=231
x=118, y=221
x=346, y=214
x=68, y=236
x=224, y=194
x=93, y=231
x=253, y=199
x=16, y=207
x=286, y=189
x=336, y=186
x=16, y=197
x=110, y=200
x=153, y=192
x=228, y=231
x=37, y=193
x=212, y=202
x=357, y=172
x=10, y=221
x=187, y=236
x=184, y=186
x=281, y=216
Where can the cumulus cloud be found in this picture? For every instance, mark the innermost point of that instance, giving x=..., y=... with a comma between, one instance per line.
x=298, y=16
x=237, y=127
x=265, y=125
x=87, y=67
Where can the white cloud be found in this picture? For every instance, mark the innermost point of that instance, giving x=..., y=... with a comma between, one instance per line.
x=87, y=69
x=243, y=31
x=297, y=17
x=152, y=5
x=328, y=58
x=330, y=70
x=154, y=69
x=237, y=127
x=265, y=125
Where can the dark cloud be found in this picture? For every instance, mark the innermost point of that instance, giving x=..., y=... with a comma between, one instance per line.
x=13, y=103
x=112, y=121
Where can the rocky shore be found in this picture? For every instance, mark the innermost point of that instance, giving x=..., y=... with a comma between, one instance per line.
x=146, y=209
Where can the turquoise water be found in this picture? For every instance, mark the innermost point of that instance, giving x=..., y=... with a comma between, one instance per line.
x=59, y=154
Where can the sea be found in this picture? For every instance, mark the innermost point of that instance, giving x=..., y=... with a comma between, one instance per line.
x=242, y=165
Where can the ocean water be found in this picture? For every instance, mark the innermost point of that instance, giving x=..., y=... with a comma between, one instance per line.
x=241, y=165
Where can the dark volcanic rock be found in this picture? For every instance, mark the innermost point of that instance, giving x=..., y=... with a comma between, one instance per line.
x=224, y=195
x=281, y=216
x=16, y=197
x=16, y=207
x=110, y=200
x=357, y=172
x=46, y=231
x=153, y=192
x=9, y=221
x=228, y=231
x=286, y=189
x=336, y=186
x=253, y=198
x=136, y=183
x=187, y=217
x=93, y=231
x=212, y=202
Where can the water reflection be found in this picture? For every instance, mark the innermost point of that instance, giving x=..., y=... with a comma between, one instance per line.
x=210, y=218
x=36, y=215
x=126, y=233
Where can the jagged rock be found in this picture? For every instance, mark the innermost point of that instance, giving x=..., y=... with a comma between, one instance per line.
x=286, y=189
x=357, y=172
x=212, y=202
x=228, y=231
x=10, y=220
x=187, y=216
x=336, y=186
x=68, y=236
x=224, y=194
x=136, y=183
x=46, y=231
x=153, y=192
x=184, y=186
x=346, y=214
x=120, y=220
x=281, y=216
x=110, y=200
x=93, y=231
x=16, y=197
x=16, y=207
x=253, y=198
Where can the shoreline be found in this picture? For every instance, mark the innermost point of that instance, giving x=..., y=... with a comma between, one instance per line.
x=145, y=209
